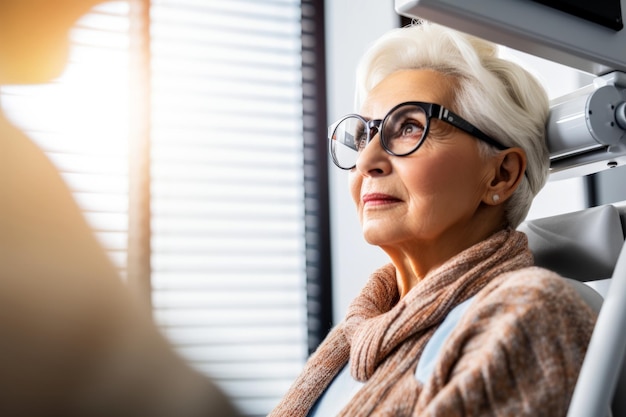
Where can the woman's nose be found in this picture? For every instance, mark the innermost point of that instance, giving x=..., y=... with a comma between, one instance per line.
x=373, y=159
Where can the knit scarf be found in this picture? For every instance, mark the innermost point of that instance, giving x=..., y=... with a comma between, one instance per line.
x=383, y=336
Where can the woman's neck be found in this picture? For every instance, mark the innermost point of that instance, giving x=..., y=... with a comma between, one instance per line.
x=415, y=260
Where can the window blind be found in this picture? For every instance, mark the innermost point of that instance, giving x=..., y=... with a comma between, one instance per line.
x=227, y=196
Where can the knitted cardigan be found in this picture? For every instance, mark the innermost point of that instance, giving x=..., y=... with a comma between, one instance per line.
x=516, y=352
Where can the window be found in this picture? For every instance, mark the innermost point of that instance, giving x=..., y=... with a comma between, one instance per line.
x=187, y=131
x=228, y=266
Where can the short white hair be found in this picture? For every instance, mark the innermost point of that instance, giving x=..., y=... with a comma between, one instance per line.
x=495, y=94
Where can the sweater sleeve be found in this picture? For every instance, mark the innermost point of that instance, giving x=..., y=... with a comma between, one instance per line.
x=516, y=352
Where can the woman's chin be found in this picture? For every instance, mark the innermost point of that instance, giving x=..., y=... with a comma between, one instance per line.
x=377, y=236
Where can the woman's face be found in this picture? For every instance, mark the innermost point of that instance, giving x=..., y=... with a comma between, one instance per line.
x=430, y=197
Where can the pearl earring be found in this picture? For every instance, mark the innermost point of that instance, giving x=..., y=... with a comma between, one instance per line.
x=496, y=198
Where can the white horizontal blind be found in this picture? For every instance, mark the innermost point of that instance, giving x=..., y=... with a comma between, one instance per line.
x=227, y=197
x=81, y=121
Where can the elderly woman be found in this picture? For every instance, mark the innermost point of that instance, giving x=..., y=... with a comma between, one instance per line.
x=444, y=159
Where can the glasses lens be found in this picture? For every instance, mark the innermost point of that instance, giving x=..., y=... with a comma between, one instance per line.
x=404, y=129
x=346, y=140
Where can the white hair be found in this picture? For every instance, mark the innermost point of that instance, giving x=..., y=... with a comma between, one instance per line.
x=496, y=95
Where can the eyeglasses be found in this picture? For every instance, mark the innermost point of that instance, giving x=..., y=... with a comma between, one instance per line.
x=402, y=131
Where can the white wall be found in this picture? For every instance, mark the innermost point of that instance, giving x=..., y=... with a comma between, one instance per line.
x=351, y=27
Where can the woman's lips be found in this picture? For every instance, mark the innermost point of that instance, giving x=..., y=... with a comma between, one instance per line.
x=378, y=199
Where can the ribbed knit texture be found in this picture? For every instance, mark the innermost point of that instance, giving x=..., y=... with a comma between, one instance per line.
x=383, y=337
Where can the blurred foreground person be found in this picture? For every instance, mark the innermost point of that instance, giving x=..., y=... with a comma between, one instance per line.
x=73, y=341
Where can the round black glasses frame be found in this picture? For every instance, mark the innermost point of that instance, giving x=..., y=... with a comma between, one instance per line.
x=431, y=110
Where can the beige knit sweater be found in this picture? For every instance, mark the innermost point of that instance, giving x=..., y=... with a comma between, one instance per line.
x=516, y=352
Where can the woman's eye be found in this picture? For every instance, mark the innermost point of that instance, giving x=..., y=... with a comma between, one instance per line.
x=410, y=129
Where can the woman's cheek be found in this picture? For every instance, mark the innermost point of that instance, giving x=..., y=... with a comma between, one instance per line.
x=354, y=182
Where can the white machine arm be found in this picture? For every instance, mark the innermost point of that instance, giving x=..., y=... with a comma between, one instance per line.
x=587, y=128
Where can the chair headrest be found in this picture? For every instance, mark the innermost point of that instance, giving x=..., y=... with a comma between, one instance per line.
x=582, y=245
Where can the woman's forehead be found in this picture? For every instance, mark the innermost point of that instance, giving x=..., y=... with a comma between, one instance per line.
x=408, y=85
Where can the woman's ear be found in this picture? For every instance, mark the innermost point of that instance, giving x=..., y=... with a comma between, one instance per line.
x=509, y=168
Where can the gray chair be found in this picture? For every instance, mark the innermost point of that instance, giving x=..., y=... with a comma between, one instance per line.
x=585, y=247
